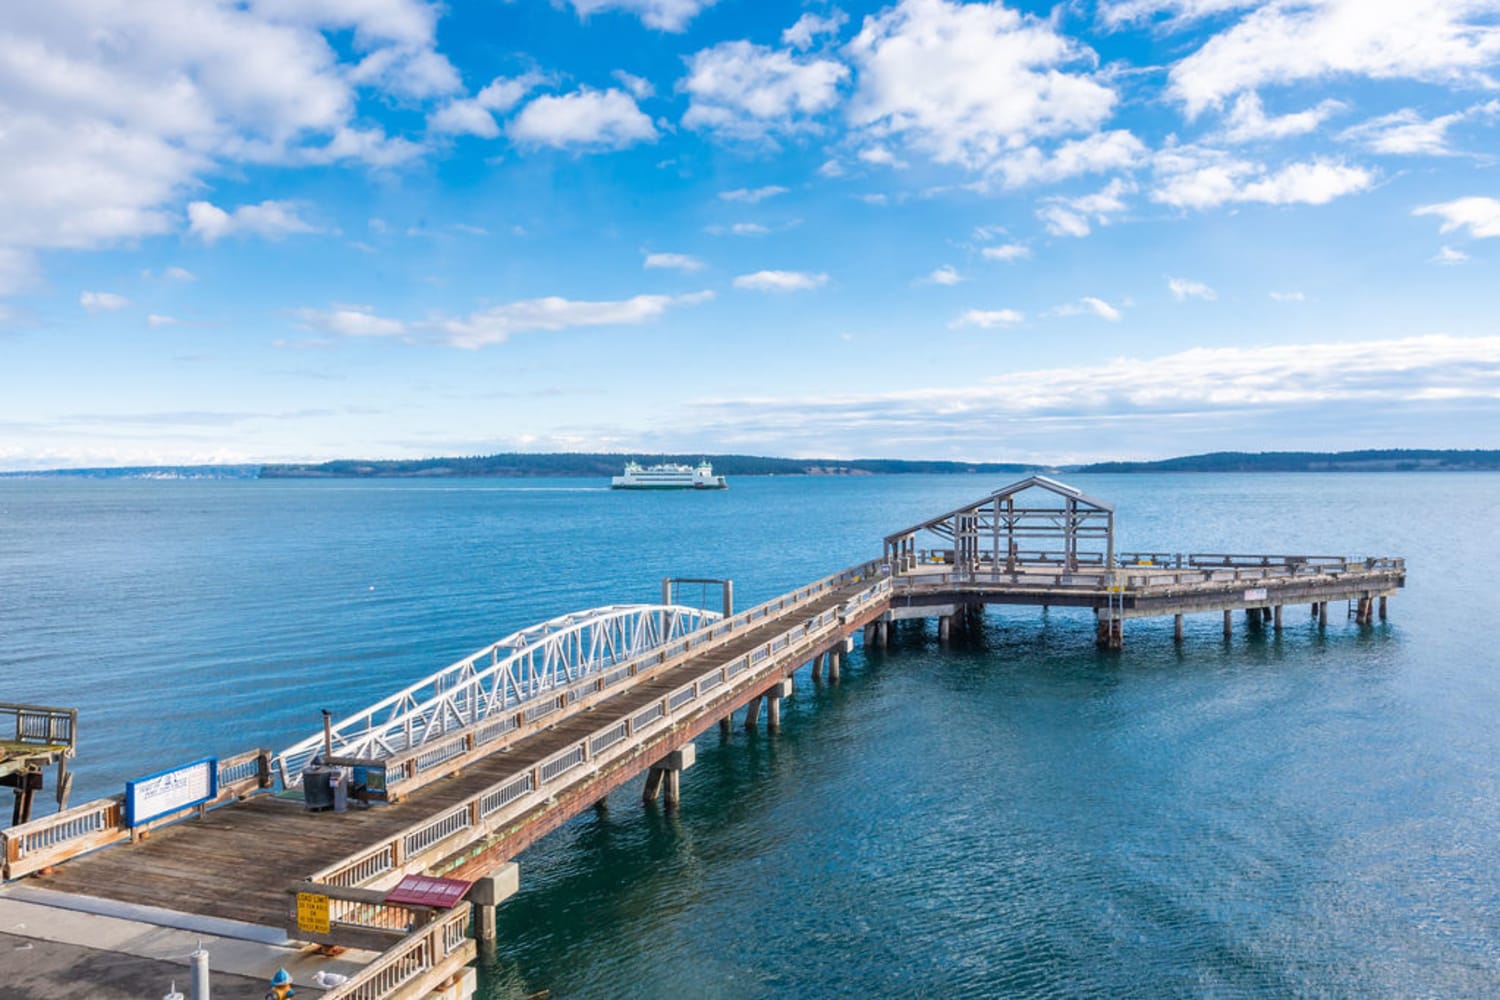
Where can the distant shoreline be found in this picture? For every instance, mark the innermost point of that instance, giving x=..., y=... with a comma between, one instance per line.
x=571, y=465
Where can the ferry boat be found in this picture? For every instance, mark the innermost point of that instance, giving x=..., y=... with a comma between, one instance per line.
x=670, y=476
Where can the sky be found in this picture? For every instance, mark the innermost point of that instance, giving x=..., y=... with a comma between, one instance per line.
x=300, y=230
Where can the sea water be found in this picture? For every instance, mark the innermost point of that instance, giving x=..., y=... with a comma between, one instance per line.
x=1300, y=813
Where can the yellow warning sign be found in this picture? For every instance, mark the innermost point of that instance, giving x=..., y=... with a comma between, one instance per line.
x=312, y=912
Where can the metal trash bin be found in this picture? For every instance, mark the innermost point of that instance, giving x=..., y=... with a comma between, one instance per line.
x=317, y=787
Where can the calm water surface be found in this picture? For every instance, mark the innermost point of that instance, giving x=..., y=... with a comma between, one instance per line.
x=1308, y=815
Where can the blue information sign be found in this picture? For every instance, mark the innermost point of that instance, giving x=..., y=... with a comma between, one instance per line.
x=156, y=795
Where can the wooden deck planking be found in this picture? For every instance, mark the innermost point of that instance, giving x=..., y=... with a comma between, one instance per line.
x=238, y=861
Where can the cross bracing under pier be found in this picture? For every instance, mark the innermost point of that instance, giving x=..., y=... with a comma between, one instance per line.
x=524, y=671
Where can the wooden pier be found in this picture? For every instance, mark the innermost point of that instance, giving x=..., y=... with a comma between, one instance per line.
x=460, y=773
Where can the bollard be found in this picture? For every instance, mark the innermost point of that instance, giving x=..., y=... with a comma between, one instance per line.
x=199, y=959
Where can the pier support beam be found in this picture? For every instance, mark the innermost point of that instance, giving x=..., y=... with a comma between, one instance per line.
x=724, y=726
x=783, y=689
x=1276, y=618
x=488, y=892
x=1228, y=624
x=833, y=665
x=1382, y=609
x=1176, y=628
x=667, y=773
x=1322, y=614
x=817, y=666
x=752, y=714
x=945, y=624
x=882, y=633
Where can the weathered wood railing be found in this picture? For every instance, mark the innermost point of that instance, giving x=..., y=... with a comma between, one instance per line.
x=1192, y=569
x=417, y=964
x=419, y=846
x=30, y=847
x=38, y=725
x=408, y=771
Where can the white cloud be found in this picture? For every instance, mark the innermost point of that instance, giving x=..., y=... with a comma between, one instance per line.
x=987, y=319
x=1448, y=255
x=1075, y=216
x=179, y=274
x=881, y=156
x=351, y=321
x=1117, y=12
x=1284, y=42
x=1196, y=177
x=1480, y=216
x=945, y=275
x=1098, y=153
x=753, y=195
x=738, y=229
x=968, y=83
x=747, y=91
x=1088, y=306
x=476, y=115
x=640, y=88
x=674, y=261
x=1194, y=398
x=810, y=26
x=1007, y=252
x=831, y=168
x=271, y=219
x=496, y=325
x=1247, y=120
x=1288, y=297
x=780, y=281
x=663, y=15
x=156, y=321
x=102, y=301
x=606, y=119
x=1407, y=133
x=1183, y=289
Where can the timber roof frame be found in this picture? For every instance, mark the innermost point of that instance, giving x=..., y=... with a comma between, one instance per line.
x=1043, y=482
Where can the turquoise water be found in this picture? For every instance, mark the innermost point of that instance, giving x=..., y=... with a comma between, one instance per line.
x=1308, y=815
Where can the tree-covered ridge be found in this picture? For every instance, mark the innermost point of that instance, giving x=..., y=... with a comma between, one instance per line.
x=527, y=464
x=1372, y=460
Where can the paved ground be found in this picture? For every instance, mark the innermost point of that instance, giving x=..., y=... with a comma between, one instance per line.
x=33, y=969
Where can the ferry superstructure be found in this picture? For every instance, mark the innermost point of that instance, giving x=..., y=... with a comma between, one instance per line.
x=669, y=476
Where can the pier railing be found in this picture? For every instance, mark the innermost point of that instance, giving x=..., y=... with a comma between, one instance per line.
x=48, y=840
x=1155, y=569
x=412, y=769
x=423, y=844
x=39, y=726
x=415, y=965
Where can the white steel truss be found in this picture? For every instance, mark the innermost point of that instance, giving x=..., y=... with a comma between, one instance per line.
x=526, y=667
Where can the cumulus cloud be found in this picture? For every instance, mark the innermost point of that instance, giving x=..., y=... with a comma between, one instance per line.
x=102, y=301
x=179, y=274
x=1247, y=121
x=966, y=83
x=607, y=119
x=1098, y=153
x=1076, y=216
x=663, y=15
x=753, y=195
x=674, y=261
x=476, y=115
x=1283, y=43
x=746, y=91
x=270, y=219
x=640, y=88
x=1183, y=289
x=1115, y=13
x=114, y=110
x=781, y=281
x=987, y=319
x=1480, y=216
x=1449, y=256
x=810, y=27
x=17, y=270
x=156, y=321
x=945, y=275
x=1201, y=178
x=351, y=321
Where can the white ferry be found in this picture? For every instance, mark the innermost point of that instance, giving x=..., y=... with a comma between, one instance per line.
x=668, y=477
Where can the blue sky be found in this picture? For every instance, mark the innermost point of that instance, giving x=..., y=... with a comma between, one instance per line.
x=291, y=230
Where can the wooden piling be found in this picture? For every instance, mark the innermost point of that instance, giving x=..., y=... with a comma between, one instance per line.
x=945, y=623
x=1228, y=624
x=1322, y=614
x=752, y=714
x=1176, y=628
x=724, y=726
x=1276, y=618
x=1382, y=608
x=817, y=666
x=673, y=796
x=773, y=715
x=654, y=779
x=833, y=664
